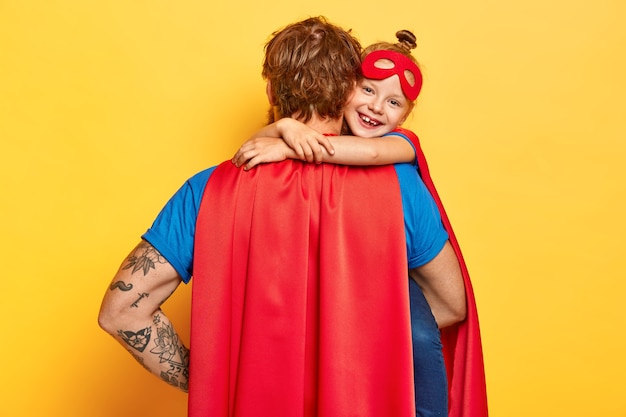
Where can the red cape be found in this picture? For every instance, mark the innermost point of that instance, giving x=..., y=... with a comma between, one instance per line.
x=297, y=310
x=462, y=345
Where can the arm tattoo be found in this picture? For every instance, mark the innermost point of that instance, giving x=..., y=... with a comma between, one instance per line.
x=144, y=258
x=121, y=285
x=141, y=296
x=172, y=352
x=137, y=340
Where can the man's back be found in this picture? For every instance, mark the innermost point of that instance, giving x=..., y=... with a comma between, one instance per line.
x=296, y=303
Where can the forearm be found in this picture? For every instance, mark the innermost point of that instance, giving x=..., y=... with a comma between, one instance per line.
x=352, y=150
x=154, y=343
x=306, y=144
x=131, y=313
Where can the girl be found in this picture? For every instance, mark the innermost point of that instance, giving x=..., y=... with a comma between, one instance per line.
x=381, y=103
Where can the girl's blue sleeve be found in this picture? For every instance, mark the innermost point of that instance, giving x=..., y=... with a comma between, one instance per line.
x=409, y=136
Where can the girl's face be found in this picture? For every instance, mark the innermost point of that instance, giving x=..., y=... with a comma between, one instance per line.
x=377, y=107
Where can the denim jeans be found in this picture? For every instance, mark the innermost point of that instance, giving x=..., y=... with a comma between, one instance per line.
x=431, y=386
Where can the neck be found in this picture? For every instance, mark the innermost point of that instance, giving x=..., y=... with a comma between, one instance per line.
x=327, y=126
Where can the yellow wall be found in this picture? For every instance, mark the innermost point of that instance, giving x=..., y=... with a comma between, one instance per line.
x=106, y=107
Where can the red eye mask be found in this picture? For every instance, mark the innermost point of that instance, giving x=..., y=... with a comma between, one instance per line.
x=401, y=64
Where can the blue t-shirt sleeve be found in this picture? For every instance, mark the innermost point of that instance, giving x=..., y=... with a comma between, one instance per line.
x=173, y=231
x=425, y=234
x=405, y=137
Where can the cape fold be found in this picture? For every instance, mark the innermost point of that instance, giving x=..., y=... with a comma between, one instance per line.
x=297, y=310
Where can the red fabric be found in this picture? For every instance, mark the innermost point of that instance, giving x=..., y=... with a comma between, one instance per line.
x=462, y=345
x=297, y=310
x=401, y=65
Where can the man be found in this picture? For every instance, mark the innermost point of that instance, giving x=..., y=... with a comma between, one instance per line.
x=300, y=298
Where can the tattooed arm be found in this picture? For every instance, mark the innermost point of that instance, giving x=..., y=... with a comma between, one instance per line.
x=131, y=313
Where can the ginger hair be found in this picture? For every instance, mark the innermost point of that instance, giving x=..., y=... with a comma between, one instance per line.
x=312, y=66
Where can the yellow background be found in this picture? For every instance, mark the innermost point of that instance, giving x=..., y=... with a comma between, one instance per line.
x=107, y=107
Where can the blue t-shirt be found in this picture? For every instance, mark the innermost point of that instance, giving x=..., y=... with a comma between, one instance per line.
x=173, y=231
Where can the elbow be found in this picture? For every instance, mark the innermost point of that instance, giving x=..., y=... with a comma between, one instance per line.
x=106, y=319
x=112, y=317
x=374, y=156
x=460, y=313
x=451, y=315
x=455, y=316
x=115, y=314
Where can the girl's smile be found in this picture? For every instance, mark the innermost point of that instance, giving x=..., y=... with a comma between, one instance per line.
x=377, y=107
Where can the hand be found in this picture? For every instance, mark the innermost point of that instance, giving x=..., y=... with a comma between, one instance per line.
x=262, y=150
x=307, y=143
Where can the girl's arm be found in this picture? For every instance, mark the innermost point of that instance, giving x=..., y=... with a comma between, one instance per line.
x=307, y=143
x=348, y=150
x=353, y=150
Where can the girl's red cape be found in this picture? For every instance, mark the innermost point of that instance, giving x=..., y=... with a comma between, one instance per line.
x=462, y=345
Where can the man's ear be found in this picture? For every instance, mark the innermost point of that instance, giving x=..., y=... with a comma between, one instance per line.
x=270, y=95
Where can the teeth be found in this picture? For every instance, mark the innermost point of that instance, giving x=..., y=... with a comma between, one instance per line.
x=369, y=120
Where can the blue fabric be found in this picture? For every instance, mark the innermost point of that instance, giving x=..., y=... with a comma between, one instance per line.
x=405, y=137
x=425, y=235
x=173, y=231
x=431, y=382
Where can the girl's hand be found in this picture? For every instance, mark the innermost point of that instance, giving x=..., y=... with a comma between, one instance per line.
x=262, y=150
x=307, y=143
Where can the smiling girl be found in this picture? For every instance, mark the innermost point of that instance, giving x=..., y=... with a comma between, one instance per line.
x=382, y=101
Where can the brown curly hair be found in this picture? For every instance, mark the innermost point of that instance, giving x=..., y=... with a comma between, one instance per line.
x=312, y=67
